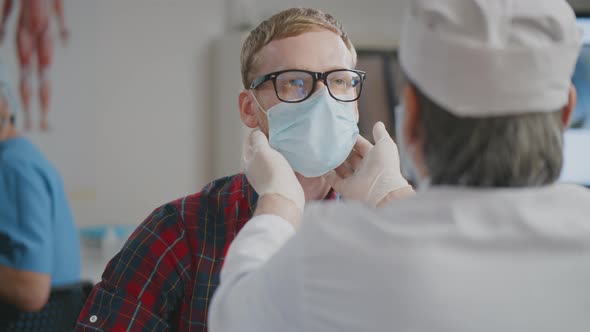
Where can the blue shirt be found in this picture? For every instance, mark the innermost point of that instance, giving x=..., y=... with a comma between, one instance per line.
x=37, y=232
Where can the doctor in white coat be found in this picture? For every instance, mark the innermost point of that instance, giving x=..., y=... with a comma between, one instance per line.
x=489, y=243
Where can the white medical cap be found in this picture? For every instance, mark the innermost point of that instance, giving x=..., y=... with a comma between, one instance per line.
x=6, y=91
x=481, y=58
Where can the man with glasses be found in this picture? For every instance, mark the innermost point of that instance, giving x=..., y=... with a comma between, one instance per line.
x=300, y=89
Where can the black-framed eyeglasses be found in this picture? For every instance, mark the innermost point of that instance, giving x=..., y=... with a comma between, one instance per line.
x=295, y=85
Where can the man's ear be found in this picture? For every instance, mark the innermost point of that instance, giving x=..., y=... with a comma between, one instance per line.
x=411, y=131
x=411, y=116
x=248, y=109
x=567, y=110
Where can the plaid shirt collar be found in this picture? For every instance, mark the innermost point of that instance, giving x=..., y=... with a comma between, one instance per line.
x=252, y=196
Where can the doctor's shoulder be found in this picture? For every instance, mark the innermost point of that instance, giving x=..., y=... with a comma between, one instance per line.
x=354, y=213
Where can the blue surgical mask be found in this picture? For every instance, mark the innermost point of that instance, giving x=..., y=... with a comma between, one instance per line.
x=315, y=135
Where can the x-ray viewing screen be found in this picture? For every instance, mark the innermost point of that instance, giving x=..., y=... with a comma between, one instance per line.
x=576, y=166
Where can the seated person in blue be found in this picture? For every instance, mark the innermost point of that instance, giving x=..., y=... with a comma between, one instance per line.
x=39, y=247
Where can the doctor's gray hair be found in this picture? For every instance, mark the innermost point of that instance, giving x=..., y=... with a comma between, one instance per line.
x=504, y=151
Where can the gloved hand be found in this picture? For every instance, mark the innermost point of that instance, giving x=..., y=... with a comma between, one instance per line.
x=269, y=172
x=371, y=172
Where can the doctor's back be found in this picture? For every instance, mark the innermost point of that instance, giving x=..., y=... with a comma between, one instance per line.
x=451, y=260
x=490, y=242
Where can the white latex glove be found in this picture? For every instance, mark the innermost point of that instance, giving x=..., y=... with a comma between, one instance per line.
x=371, y=172
x=268, y=171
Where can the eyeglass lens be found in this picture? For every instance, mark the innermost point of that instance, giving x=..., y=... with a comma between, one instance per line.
x=294, y=86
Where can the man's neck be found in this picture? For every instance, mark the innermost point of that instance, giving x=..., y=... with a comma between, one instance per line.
x=314, y=188
x=8, y=132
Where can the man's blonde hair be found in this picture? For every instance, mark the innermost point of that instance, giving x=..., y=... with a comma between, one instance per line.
x=288, y=23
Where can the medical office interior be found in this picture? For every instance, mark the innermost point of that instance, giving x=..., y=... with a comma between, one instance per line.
x=143, y=106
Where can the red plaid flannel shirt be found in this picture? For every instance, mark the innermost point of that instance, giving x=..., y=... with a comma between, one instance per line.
x=165, y=275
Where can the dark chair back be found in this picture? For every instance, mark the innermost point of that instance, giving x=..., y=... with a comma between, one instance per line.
x=58, y=315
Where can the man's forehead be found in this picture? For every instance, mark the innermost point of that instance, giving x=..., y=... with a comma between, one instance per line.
x=317, y=50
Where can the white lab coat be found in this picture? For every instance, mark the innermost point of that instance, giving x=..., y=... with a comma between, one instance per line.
x=446, y=260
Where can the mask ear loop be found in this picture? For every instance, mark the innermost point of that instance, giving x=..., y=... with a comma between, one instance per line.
x=257, y=103
x=244, y=146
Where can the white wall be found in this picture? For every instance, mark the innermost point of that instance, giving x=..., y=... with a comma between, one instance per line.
x=130, y=106
x=152, y=129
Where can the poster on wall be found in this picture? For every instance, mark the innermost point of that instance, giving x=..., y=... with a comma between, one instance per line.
x=51, y=68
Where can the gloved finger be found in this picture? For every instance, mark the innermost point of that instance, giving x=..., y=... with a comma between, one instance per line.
x=258, y=140
x=379, y=132
x=334, y=180
x=362, y=146
x=246, y=153
x=354, y=160
x=247, y=150
x=344, y=171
